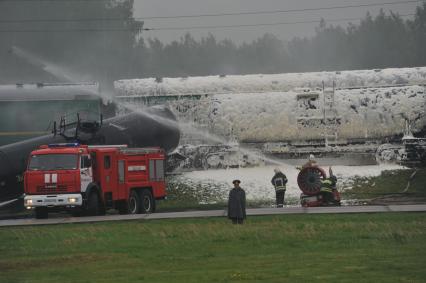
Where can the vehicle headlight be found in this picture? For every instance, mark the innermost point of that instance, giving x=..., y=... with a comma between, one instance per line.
x=28, y=202
x=72, y=200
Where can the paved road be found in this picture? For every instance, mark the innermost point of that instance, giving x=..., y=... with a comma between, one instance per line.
x=218, y=213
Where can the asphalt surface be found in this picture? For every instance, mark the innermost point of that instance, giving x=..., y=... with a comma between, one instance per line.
x=218, y=213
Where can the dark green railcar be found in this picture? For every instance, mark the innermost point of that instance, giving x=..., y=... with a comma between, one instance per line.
x=28, y=110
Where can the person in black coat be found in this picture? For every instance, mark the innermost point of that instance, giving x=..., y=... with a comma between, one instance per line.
x=279, y=182
x=237, y=203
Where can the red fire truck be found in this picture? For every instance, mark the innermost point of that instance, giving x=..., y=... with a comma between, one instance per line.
x=90, y=179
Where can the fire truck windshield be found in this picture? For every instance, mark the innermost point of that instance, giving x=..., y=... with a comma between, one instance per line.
x=53, y=162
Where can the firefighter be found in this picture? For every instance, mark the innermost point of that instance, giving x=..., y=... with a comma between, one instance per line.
x=237, y=203
x=279, y=182
x=328, y=186
x=311, y=162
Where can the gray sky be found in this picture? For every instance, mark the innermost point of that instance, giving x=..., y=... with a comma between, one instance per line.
x=150, y=8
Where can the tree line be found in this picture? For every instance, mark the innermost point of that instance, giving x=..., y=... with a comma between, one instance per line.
x=95, y=40
x=386, y=40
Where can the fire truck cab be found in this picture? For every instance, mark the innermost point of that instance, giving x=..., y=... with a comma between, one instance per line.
x=92, y=179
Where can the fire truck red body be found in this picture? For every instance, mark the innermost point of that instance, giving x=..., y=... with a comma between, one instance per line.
x=91, y=179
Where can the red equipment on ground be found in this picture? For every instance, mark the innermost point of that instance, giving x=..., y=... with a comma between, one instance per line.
x=309, y=180
x=91, y=179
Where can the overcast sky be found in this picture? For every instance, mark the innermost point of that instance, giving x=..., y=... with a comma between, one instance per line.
x=152, y=8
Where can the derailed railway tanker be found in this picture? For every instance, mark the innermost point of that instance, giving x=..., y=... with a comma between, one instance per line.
x=343, y=115
x=155, y=126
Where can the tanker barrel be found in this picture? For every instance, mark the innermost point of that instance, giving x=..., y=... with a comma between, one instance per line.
x=155, y=127
x=13, y=161
x=5, y=173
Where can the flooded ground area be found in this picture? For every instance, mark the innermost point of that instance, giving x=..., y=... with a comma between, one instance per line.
x=213, y=185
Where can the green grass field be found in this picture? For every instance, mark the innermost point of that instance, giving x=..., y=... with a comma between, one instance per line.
x=290, y=248
x=389, y=182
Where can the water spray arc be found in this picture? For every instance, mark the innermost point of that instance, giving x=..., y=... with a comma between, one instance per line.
x=211, y=138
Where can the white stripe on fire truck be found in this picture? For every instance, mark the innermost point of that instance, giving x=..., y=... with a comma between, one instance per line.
x=46, y=178
x=136, y=168
x=54, y=178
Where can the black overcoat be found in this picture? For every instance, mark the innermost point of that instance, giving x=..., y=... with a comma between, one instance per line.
x=237, y=203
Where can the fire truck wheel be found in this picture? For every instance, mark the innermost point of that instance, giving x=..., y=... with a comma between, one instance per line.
x=41, y=212
x=77, y=212
x=134, y=203
x=147, y=201
x=93, y=204
x=102, y=209
x=122, y=207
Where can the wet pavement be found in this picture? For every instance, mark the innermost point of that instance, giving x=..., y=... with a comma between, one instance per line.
x=218, y=213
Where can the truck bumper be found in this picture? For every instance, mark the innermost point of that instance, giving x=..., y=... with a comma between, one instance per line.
x=32, y=201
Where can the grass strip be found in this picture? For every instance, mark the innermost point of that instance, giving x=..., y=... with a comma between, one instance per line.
x=387, y=247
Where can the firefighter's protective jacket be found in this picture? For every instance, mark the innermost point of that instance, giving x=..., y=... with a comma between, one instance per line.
x=279, y=181
x=327, y=185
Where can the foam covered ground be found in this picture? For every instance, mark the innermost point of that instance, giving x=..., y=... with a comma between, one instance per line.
x=256, y=181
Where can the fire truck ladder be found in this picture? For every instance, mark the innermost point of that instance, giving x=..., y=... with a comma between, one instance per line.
x=330, y=118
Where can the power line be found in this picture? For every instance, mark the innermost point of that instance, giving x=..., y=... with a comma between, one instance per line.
x=209, y=15
x=185, y=28
x=70, y=30
x=53, y=1
x=261, y=24
x=285, y=11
